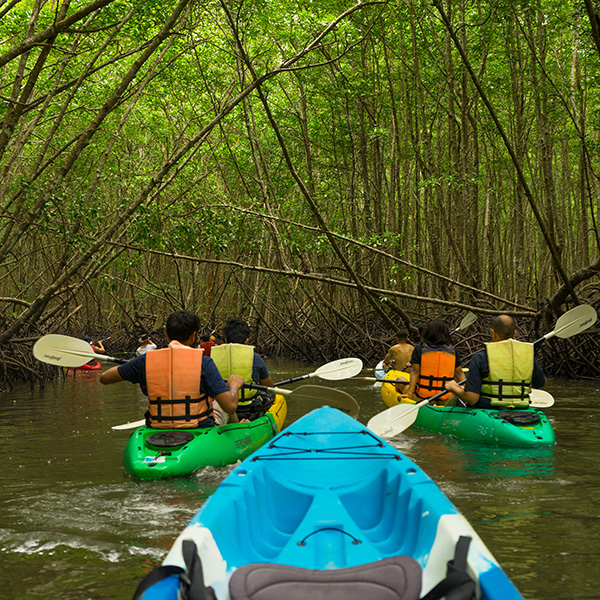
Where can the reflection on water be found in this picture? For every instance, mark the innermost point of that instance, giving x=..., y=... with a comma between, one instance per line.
x=75, y=526
x=463, y=458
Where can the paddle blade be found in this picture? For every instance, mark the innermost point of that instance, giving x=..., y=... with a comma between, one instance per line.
x=395, y=420
x=540, y=399
x=132, y=425
x=316, y=396
x=467, y=321
x=344, y=368
x=63, y=351
x=575, y=321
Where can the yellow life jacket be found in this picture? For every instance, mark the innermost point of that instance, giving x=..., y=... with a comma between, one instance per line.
x=437, y=368
x=236, y=359
x=173, y=379
x=511, y=369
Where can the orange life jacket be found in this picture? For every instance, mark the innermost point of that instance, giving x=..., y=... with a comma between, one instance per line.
x=173, y=379
x=437, y=368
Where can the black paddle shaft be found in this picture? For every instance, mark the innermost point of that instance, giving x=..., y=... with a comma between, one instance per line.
x=291, y=380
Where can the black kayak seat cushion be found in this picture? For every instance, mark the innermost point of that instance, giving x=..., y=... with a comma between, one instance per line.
x=396, y=578
x=519, y=418
x=169, y=439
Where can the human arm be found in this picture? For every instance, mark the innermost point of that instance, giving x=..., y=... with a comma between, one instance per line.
x=99, y=347
x=459, y=374
x=388, y=360
x=260, y=372
x=268, y=381
x=415, y=370
x=111, y=376
x=470, y=393
x=229, y=400
x=469, y=398
x=538, y=379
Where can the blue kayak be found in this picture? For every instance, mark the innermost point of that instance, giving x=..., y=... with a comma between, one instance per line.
x=326, y=504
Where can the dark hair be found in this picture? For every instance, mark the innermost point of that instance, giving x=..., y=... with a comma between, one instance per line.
x=402, y=333
x=504, y=326
x=236, y=331
x=436, y=333
x=181, y=324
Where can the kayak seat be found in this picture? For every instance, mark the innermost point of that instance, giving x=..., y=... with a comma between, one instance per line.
x=396, y=578
x=519, y=418
x=169, y=439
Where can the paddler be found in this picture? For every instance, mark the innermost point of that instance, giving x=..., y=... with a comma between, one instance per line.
x=501, y=375
x=97, y=347
x=181, y=383
x=398, y=356
x=434, y=362
x=237, y=356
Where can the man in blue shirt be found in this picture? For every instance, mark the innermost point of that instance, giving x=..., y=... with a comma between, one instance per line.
x=478, y=376
x=182, y=327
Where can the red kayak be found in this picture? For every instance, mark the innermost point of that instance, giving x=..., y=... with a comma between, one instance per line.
x=93, y=365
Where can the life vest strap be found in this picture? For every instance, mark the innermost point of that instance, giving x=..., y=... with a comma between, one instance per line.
x=502, y=384
x=186, y=402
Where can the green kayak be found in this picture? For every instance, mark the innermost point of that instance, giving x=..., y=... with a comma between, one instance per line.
x=158, y=453
x=526, y=427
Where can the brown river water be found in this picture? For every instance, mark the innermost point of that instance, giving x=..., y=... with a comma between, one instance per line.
x=74, y=526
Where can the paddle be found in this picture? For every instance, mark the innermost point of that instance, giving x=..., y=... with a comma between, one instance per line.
x=131, y=425
x=315, y=396
x=312, y=396
x=67, y=351
x=574, y=321
x=333, y=371
x=467, y=320
x=399, y=381
x=540, y=399
x=396, y=419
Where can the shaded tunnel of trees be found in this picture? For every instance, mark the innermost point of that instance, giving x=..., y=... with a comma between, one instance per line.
x=326, y=171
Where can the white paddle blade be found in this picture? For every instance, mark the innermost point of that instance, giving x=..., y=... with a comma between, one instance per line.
x=132, y=425
x=344, y=368
x=575, y=321
x=395, y=420
x=63, y=351
x=468, y=320
x=540, y=399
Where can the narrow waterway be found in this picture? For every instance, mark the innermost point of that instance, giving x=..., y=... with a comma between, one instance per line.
x=74, y=526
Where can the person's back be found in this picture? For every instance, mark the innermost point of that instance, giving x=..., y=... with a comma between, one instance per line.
x=145, y=344
x=398, y=356
x=434, y=362
x=236, y=356
x=181, y=384
x=502, y=375
x=207, y=342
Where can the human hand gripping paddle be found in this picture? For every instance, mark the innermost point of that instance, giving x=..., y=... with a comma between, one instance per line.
x=396, y=419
